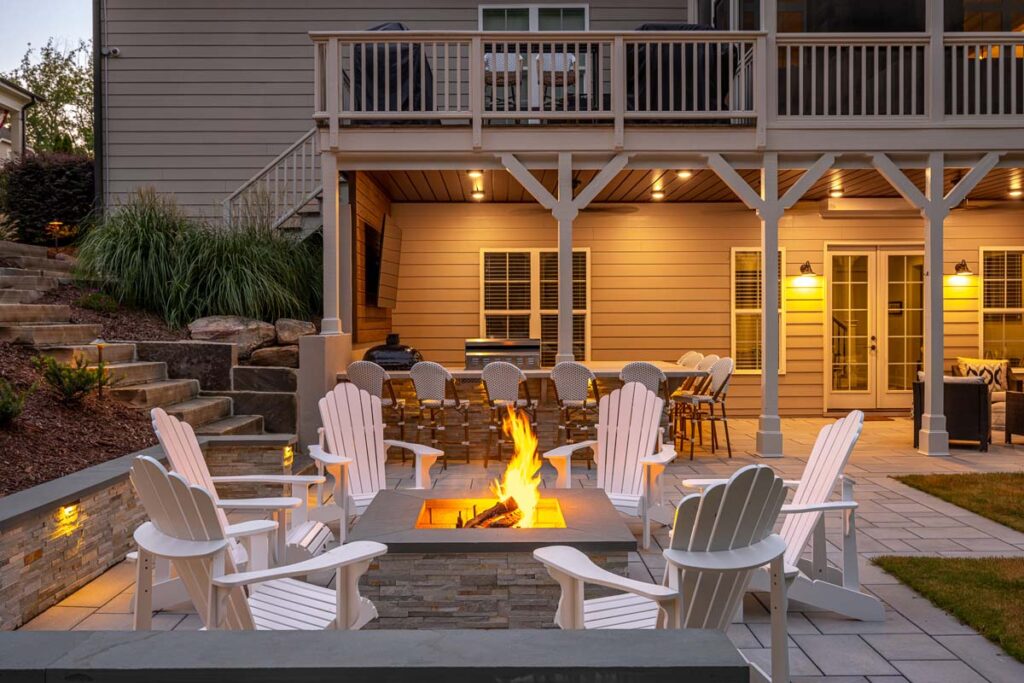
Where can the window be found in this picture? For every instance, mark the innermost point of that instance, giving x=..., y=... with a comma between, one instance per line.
x=746, y=310
x=1002, y=305
x=519, y=298
x=534, y=18
x=984, y=15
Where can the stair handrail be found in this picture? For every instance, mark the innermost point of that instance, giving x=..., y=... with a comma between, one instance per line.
x=289, y=182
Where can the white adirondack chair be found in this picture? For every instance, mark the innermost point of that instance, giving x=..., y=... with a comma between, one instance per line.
x=353, y=449
x=817, y=583
x=629, y=452
x=299, y=539
x=186, y=529
x=719, y=538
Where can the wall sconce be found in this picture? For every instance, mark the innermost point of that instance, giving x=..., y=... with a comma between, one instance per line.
x=288, y=457
x=962, y=268
x=66, y=519
x=807, y=270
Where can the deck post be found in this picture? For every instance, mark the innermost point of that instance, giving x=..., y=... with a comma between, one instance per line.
x=331, y=245
x=934, y=439
x=769, y=425
x=565, y=213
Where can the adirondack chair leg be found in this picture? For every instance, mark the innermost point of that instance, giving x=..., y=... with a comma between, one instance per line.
x=423, y=464
x=646, y=519
x=143, y=620
x=780, y=637
x=819, y=549
x=851, y=568
x=281, y=538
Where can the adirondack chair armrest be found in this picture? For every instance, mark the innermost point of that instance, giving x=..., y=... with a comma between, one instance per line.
x=819, y=507
x=425, y=456
x=156, y=542
x=253, y=527
x=561, y=458
x=322, y=456
x=741, y=559
x=282, y=503
x=350, y=553
x=284, y=479
x=575, y=564
x=664, y=457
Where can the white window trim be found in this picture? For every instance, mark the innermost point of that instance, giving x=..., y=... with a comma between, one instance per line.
x=535, y=309
x=534, y=13
x=981, y=293
x=782, y=312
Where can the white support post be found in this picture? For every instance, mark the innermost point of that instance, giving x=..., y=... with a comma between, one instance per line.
x=770, y=209
x=565, y=213
x=935, y=60
x=345, y=258
x=331, y=247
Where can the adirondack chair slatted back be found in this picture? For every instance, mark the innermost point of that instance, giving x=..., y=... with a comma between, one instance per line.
x=824, y=467
x=179, y=442
x=627, y=431
x=189, y=513
x=727, y=516
x=354, y=427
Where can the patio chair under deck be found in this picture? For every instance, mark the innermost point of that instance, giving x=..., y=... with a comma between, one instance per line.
x=577, y=410
x=433, y=383
x=502, y=382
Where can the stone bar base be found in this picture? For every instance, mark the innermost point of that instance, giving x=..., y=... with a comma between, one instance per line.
x=467, y=591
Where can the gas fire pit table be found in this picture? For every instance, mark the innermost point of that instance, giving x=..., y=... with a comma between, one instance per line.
x=438, y=576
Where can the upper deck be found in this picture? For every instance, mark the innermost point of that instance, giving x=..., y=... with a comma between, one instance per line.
x=665, y=92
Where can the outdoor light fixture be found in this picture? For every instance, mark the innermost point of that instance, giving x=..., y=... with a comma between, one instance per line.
x=962, y=268
x=1016, y=193
x=475, y=174
x=658, y=195
x=685, y=174
x=806, y=270
x=478, y=195
x=836, y=193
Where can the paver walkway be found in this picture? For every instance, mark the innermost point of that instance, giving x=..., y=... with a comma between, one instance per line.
x=917, y=642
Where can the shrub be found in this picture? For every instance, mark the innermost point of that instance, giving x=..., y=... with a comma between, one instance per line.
x=39, y=189
x=73, y=382
x=12, y=401
x=97, y=301
x=148, y=254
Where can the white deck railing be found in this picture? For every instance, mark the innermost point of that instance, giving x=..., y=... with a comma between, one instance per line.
x=986, y=74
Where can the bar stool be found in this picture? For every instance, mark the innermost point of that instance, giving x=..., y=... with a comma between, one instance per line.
x=573, y=382
x=376, y=381
x=703, y=405
x=654, y=380
x=688, y=387
x=432, y=382
x=502, y=382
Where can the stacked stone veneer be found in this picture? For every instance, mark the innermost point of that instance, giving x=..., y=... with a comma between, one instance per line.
x=467, y=591
x=59, y=536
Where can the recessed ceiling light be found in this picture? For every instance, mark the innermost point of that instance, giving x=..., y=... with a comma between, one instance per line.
x=685, y=174
x=475, y=174
x=478, y=195
x=1016, y=194
x=657, y=195
x=836, y=193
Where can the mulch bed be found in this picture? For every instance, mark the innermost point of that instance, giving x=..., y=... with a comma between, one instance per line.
x=124, y=323
x=51, y=439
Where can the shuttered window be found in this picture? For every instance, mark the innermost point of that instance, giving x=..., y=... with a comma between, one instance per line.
x=1002, y=295
x=746, y=310
x=519, y=296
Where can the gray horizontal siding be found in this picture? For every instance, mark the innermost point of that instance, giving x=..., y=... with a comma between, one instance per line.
x=207, y=92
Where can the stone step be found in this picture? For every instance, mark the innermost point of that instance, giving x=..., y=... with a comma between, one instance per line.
x=236, y=424
x=34, y=313
x=19, y=249
x=49, y=335
x=201, y=411
x=51, y=264
x=19, y=296
x=134, y=372
x=27, y=282
x=112, y=353
x=153, y=394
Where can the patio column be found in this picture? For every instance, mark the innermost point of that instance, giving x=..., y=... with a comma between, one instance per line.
x=333, y=263
x=770, y=208
x=565, y=213
x=934, y=207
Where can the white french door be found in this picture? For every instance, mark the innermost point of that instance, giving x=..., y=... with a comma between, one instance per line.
x=876, y=326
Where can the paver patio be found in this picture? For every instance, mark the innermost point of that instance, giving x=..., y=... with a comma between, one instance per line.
x=917, y=642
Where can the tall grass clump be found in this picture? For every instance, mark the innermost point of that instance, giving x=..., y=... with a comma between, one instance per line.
x=131, y=253
x=148, y=254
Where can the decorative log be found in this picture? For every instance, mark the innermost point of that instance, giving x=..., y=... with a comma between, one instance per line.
x=490, y=515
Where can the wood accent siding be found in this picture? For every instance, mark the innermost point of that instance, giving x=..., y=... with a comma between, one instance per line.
x=207, y=92
x=371, y=205
x=660, y=278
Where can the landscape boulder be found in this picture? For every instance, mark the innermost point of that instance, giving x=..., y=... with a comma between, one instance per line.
x=276, y=356
x=289, y=330
x=248, y=334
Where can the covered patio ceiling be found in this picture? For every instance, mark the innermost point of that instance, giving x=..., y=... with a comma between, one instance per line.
x=632, y=186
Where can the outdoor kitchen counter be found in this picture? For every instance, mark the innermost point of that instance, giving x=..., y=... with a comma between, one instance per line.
x=602, y=369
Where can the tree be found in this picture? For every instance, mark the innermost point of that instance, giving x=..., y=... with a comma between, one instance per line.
x=62, y=76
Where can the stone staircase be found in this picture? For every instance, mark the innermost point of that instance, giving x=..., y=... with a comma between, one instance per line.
x=137, y=383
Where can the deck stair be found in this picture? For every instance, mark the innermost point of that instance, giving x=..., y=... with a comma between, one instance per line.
x=48, y=328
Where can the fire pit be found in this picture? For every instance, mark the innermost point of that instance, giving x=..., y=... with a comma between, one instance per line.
x=460, y=559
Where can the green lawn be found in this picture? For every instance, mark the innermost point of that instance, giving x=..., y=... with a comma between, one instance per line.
x=997, y=496
x=987, y=593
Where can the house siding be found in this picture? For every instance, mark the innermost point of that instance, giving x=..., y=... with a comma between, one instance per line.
x=207, y=92
x=660, y=282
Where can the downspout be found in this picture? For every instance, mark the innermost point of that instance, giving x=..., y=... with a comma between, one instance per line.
x=98, y=136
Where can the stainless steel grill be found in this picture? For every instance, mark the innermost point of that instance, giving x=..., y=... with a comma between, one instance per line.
x=523, y=353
